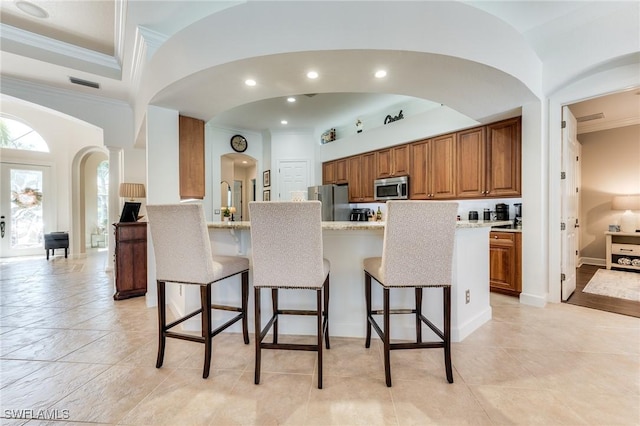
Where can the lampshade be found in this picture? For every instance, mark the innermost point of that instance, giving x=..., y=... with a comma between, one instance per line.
x=132, y=190
x=626, y=202
x=232, y=209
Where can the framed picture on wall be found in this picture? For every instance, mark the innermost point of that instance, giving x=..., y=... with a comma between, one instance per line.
x=266, y=195
x=266, y=178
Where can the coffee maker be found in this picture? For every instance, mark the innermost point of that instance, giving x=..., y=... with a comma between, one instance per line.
x=359, y=215
x=517, y=222
x=502, y=211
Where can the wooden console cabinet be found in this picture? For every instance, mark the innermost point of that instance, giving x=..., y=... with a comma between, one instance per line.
x=131, y=260
x=623, y=250
x=505, y=262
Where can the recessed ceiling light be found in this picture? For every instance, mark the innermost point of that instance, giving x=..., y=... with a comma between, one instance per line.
x=380, y=74
x=312, y=75
x=291, y=99
x=250, y=82
x=284, y=122
x=32, y=9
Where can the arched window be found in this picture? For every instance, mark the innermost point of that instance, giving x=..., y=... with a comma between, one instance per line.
x=103, y=196
x=15, y=134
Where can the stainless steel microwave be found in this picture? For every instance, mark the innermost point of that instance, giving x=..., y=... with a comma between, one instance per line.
x=396, y=188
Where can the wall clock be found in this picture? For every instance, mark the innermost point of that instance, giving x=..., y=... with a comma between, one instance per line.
x=239, y=143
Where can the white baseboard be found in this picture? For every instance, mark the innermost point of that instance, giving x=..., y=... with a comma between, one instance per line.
x=533, y=300
x=592, y=261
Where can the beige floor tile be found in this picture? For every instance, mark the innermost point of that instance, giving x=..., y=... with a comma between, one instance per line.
x=112, y=348
x=603, y=409
x=575, y=372
x=349, y=357
x=30, y=315
x=13, y=370
x=286, y=361
x=45, y=386
x=510, y=406
x=351, y=401
x=418, y=402
x=20, y=337
x=58, y=344
x=185, y=399
x=176, y=353
x=110, y=396
x=279, y=399
x=229, y=352
x=417, y=364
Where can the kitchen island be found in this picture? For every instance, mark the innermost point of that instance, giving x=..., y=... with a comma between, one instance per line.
x=346, y=244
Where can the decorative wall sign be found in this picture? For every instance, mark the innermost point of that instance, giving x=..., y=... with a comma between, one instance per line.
x=328, y=136
x=390, y=119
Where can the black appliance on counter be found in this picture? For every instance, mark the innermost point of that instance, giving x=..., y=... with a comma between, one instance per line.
x=517, y=222
x=360, y=215
x=502, y=211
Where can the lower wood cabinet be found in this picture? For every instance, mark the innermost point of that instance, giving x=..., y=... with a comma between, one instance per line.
x=505, y=262
x=131, y=260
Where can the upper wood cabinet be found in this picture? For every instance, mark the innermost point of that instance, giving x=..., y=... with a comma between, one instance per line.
x=504, y=158
x=392, y=162
x=431, y=168
x=471, y=163
x=191, y=152
x=488, y=160
x=361, y=176
x=335, y=172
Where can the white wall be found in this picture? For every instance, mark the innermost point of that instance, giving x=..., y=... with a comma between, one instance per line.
x=610, y=166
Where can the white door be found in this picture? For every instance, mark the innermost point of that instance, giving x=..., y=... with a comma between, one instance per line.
x=26, y=209
x=569, y=207
x=293, y=175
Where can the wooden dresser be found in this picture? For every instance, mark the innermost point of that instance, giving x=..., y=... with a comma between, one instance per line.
x=131, y=260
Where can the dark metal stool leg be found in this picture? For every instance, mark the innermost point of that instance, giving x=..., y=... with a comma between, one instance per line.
x=162, y=317
x=319, y=300
x=418, y=314
x=367, y=297
x=447, y=332
x=257, y=334
x=387, y=337
x=326, y=313
x=274, y=303
x=205, y=300
x=245, y=303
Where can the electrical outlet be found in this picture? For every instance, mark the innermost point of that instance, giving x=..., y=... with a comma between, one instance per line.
x=216, y=211
x=467, y=296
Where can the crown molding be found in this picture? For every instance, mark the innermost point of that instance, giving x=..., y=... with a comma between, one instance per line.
x=139, y=54
x=18, y=88
x=35, y=46
x=607, y=125
x=119, y=29
x=153, y=39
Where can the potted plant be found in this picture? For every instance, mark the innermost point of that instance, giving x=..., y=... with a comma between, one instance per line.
x=226, y=214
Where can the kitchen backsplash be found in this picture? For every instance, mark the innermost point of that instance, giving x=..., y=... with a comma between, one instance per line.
x=464, y=206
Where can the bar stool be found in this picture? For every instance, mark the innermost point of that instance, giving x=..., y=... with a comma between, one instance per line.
x=286, y=241
x=183, y=255
x=417, y=253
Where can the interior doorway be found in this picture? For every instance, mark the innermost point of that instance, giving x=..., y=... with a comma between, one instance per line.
x=237, y=186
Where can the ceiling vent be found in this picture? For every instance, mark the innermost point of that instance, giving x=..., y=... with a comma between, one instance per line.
x=310, y=95
x=82, y=82
x=590, y=117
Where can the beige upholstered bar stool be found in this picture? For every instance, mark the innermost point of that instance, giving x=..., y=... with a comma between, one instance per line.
x=417, y=253
x=286, y=243
x=183, y=255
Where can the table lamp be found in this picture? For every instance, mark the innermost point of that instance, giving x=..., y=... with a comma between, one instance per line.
x=132, y=191
x=628, y=220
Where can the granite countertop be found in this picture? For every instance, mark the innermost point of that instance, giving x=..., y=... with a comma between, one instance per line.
x=364, y=225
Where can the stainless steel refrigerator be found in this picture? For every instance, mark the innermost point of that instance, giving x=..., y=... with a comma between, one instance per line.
x=335, y=201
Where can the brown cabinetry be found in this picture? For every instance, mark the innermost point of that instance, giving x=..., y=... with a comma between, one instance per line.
x=361, y=176
x=505, y=262
x=335, y=172
x=131, y=259
x=488, y=161
x=191, y=153
x=392, y=162
x=431, y=168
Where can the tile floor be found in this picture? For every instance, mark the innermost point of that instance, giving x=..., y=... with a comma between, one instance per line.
x=68, y=351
